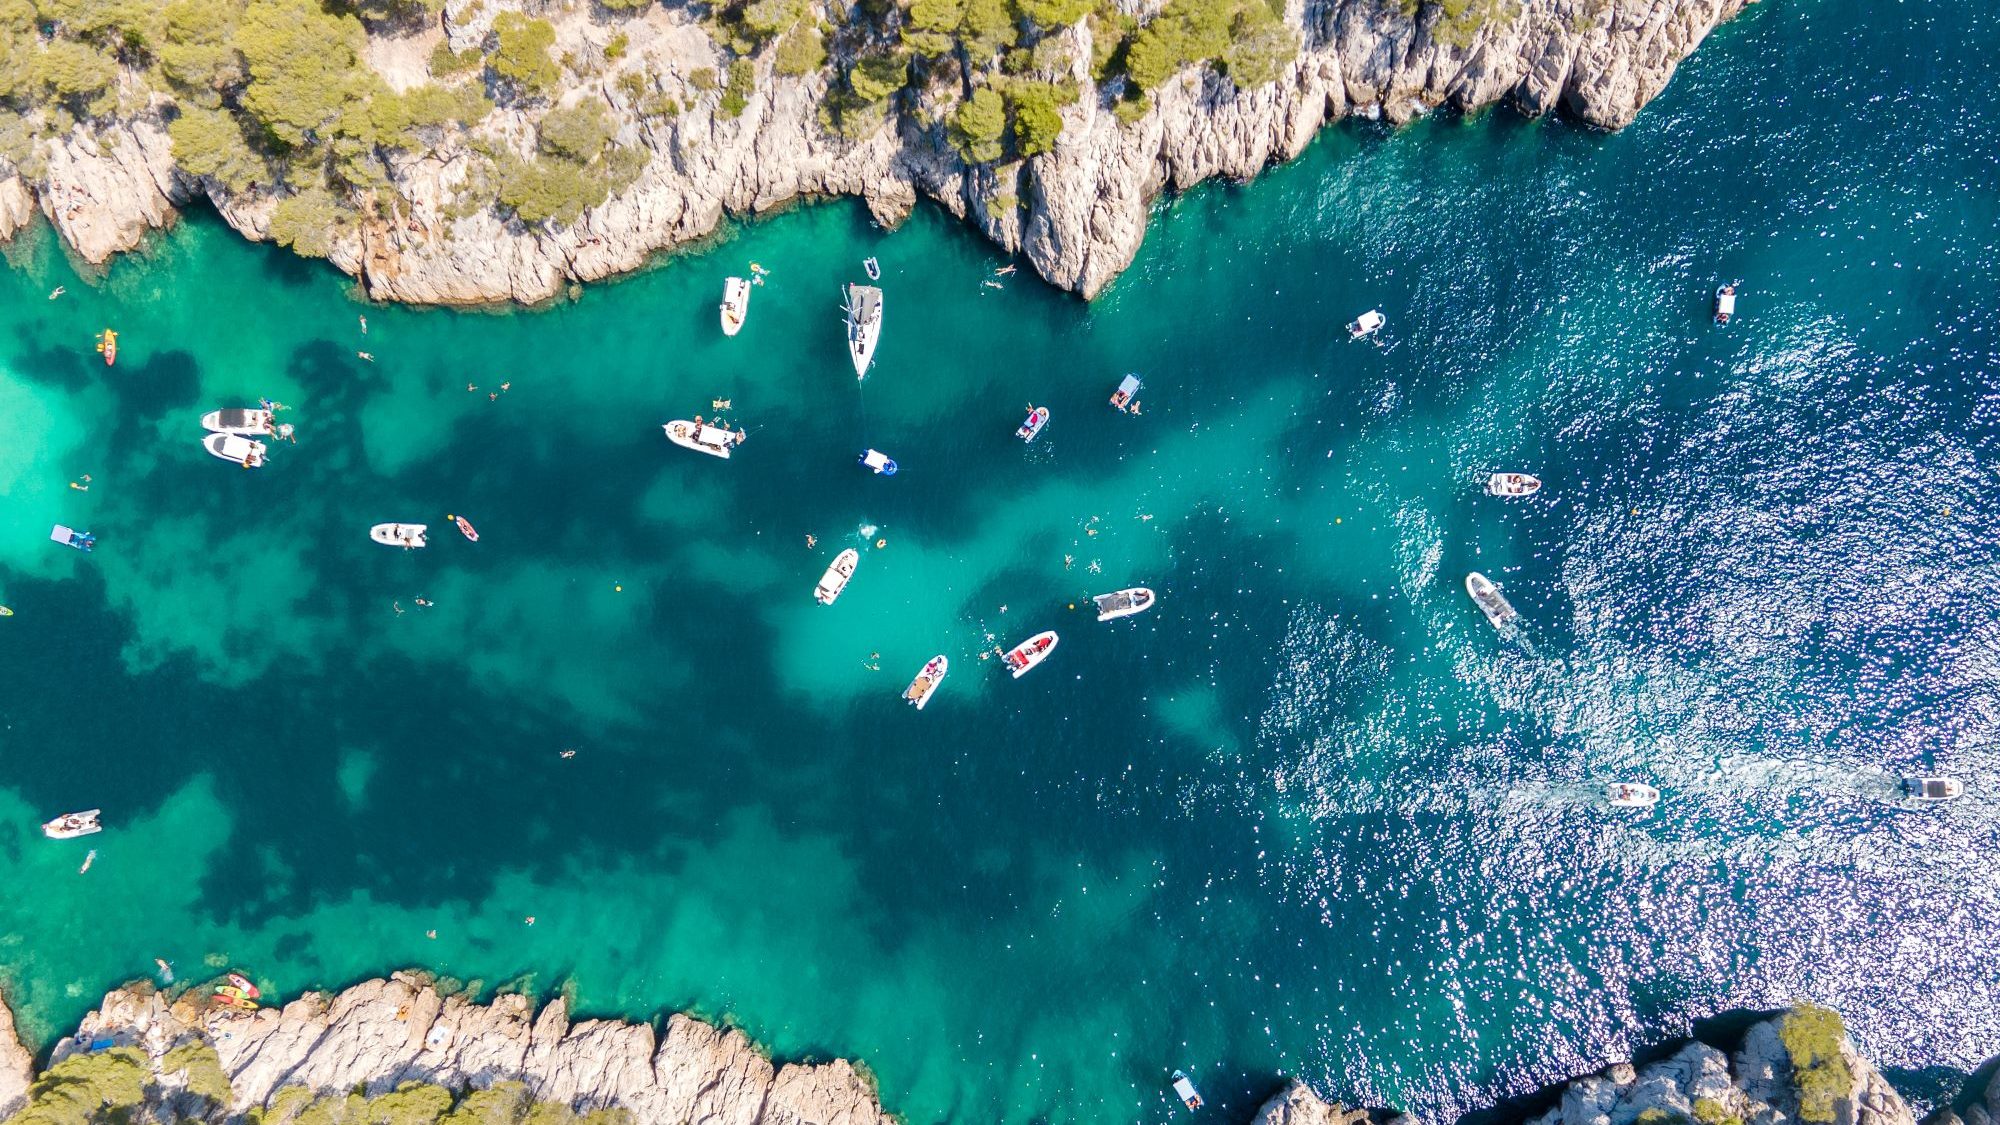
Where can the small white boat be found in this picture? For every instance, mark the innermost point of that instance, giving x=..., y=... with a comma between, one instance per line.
x=1184, y=1089
x=1490, y=600
x=703, y=437
x=1030, y=652
x=879, y=461
x=735, y=305
x=69, y=826
x=864, y=326
x=873, y=267
x=405, y=535
x=1126, y=397
x=246, y=422
x=1931, y=790
x=1038, y=416
x=1123, y=603
x=837, y=574
x=1725, y=302
x=1367, y=324
x=1631, y=795
x=236, y=448
x=1513, y=484
x=70, y=537
x=926, y=684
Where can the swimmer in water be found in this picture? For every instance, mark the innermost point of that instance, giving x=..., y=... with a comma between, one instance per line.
x=364, y=326
x=366, y=356
x=812, y=541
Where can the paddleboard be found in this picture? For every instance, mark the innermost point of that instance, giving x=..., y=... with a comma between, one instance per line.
x=465, y=527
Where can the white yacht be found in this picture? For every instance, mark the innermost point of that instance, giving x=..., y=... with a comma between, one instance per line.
x=1123, y=603
x=1725, y=302
x=1490, y=600
x=1365, y=325
x=69, y=826
x=1931, y=790
x=405, y=535
x=735, y=305
x=835, y=579
x=864, y=326
x=926, y=684
x=1030, y=652
x=1513, y=484
x=1631, y=795
x=236, y=448
x=1038, y=416
x=703, y=437
x=246, y=422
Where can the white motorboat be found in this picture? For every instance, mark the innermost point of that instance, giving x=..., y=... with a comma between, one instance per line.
x=246, y=422
x=1513, y=484
x=837, y=574
x=864, y=326
x=69, y=826
x=1367, y=324
x=926, y=684
x=1185, y=1091
x=1631, y=795
x=235, y=447
x=735, y=305
x=1126, y=397
x=1038, y=416
x=1030, y=652
x=405, y=535
x=881, y=462
x=1931, y=790
x=1123, y=603
x=703, y=437
x=1725, y=302
x=1490, y=600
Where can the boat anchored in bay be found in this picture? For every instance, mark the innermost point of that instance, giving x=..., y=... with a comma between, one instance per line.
x=1123, y=603
x=247, y=422
x=1126, y=397
x=1366, y=325
x=704, y=437
x=864, y=326
x=1491, y=602
x=735, y=305
x=69, y=826
x=1030, y=652
x=1038, y=416
x=926, y=684
x=235, y=448
x=408, y=536
x=837, y=575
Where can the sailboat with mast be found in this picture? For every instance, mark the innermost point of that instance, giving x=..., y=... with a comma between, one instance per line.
x=864, y=326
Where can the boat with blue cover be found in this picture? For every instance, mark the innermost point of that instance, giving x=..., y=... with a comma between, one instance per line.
x=70, y=537
x=879, y=461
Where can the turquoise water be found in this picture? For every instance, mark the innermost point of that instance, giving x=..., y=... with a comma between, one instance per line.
x=1310, y=815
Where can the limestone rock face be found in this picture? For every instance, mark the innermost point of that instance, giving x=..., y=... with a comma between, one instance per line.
x=1077, y=213
x=17, y=1067
x=384, y=1032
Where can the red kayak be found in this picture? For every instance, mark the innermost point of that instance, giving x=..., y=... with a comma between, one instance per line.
x=243, y=983
x=465, y=526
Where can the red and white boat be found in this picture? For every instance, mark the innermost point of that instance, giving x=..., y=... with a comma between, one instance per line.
x=926, y=684
x=1030, y=652
x=465, y=527
x=1038, y=416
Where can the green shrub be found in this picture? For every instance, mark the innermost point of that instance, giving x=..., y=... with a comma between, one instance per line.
x=979, y=125
x=736, y=92
x=522, y=53
x=579, y=132
x=1812, y=1036
x=801, y=51
x=1708, y=1111
x=301, y=62
x=99, y=1086
x=77, y=76
x=211, y=143
x=447, y=63
x=876, y=78
x=704, y=79
x=203, y=1068
x=308, y=221
x=1459, y=21
x=196, y=53
x=1051, y=14
x=1037, y=115
x=987, y=27
x=616, y=48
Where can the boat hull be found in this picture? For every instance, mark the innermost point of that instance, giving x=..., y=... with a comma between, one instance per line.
x=249, y=423
x=1123, y=603
x=1490, y=601
x=1513, y=484
x=1631, y=795
x=735, y=305
x=69, y=826
x=1024, y=656
x=926, y=684
x=1038, y=416
x=406, y=535
x=235, y=448
x=864, y=326
x=837, y=575
x=466, y=529
x=712, y=440
x=1365, y=325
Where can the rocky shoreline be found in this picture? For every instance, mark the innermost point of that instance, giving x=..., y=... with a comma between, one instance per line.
x=400, y=1037
x=1076, y=212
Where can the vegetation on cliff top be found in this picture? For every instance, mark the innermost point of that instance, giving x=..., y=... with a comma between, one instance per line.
x=1812, y=1036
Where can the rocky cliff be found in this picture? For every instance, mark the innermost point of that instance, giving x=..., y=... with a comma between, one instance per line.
x=382, y=1033
x=1076, y=211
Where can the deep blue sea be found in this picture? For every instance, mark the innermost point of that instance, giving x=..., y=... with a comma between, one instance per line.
x=1310, y=815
